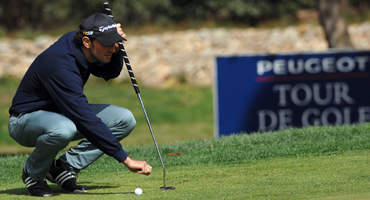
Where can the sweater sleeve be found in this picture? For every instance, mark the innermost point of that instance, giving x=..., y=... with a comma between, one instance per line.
x=66, y=89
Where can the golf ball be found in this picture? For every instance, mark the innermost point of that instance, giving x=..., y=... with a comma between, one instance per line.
x=138, y=191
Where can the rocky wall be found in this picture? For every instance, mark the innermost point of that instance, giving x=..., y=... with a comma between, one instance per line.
x=163, y=60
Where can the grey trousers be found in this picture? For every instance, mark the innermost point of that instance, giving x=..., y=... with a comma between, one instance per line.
x=51, y=132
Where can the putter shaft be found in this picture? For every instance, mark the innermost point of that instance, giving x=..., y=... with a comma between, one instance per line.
x=155, y=142
x=136, y=87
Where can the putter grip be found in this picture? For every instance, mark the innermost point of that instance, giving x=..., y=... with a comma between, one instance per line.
x=123, y=52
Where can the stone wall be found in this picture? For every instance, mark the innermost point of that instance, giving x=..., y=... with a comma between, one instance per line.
x=162, y=60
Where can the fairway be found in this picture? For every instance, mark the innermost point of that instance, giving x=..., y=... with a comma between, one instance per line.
x=279, y=178
x=307, y=163
x=171, y=111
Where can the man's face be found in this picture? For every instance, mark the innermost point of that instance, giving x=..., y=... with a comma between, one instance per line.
x=101, y=53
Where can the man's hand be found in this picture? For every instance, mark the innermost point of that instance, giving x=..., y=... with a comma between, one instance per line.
x=119, y=31
x=138, y=166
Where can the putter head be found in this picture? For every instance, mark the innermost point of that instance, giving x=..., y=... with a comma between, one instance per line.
x=167, y=188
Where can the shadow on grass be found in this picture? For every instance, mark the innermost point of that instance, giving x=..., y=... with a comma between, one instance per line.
x=100, y=186
x=16, y=191
x=24, y=192
x=57, y=190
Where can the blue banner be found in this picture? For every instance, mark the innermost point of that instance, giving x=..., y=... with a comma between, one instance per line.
x=276, y=91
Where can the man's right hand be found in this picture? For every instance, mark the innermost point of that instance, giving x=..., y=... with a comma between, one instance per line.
x=138, y=166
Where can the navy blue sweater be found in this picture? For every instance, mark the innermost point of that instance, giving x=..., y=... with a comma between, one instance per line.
x=54, y=82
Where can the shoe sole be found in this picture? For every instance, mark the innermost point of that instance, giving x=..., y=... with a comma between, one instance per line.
x=76, y=191
x=45, y=195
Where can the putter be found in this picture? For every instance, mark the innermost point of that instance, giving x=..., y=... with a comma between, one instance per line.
x=136, y=87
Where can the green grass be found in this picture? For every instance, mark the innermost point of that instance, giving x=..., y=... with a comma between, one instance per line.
x=171, y=111
x=7, y=91
x=307, y=163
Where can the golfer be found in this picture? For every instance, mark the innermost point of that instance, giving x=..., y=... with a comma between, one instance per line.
x=49, y=109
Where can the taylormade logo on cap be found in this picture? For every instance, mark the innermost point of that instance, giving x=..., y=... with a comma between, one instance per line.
x=105, y=28
x=102, y=27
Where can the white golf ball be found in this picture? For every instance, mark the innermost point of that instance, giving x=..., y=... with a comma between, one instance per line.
x=138, y=191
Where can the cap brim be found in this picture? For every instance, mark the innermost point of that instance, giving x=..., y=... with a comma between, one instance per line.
x=108, y=40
